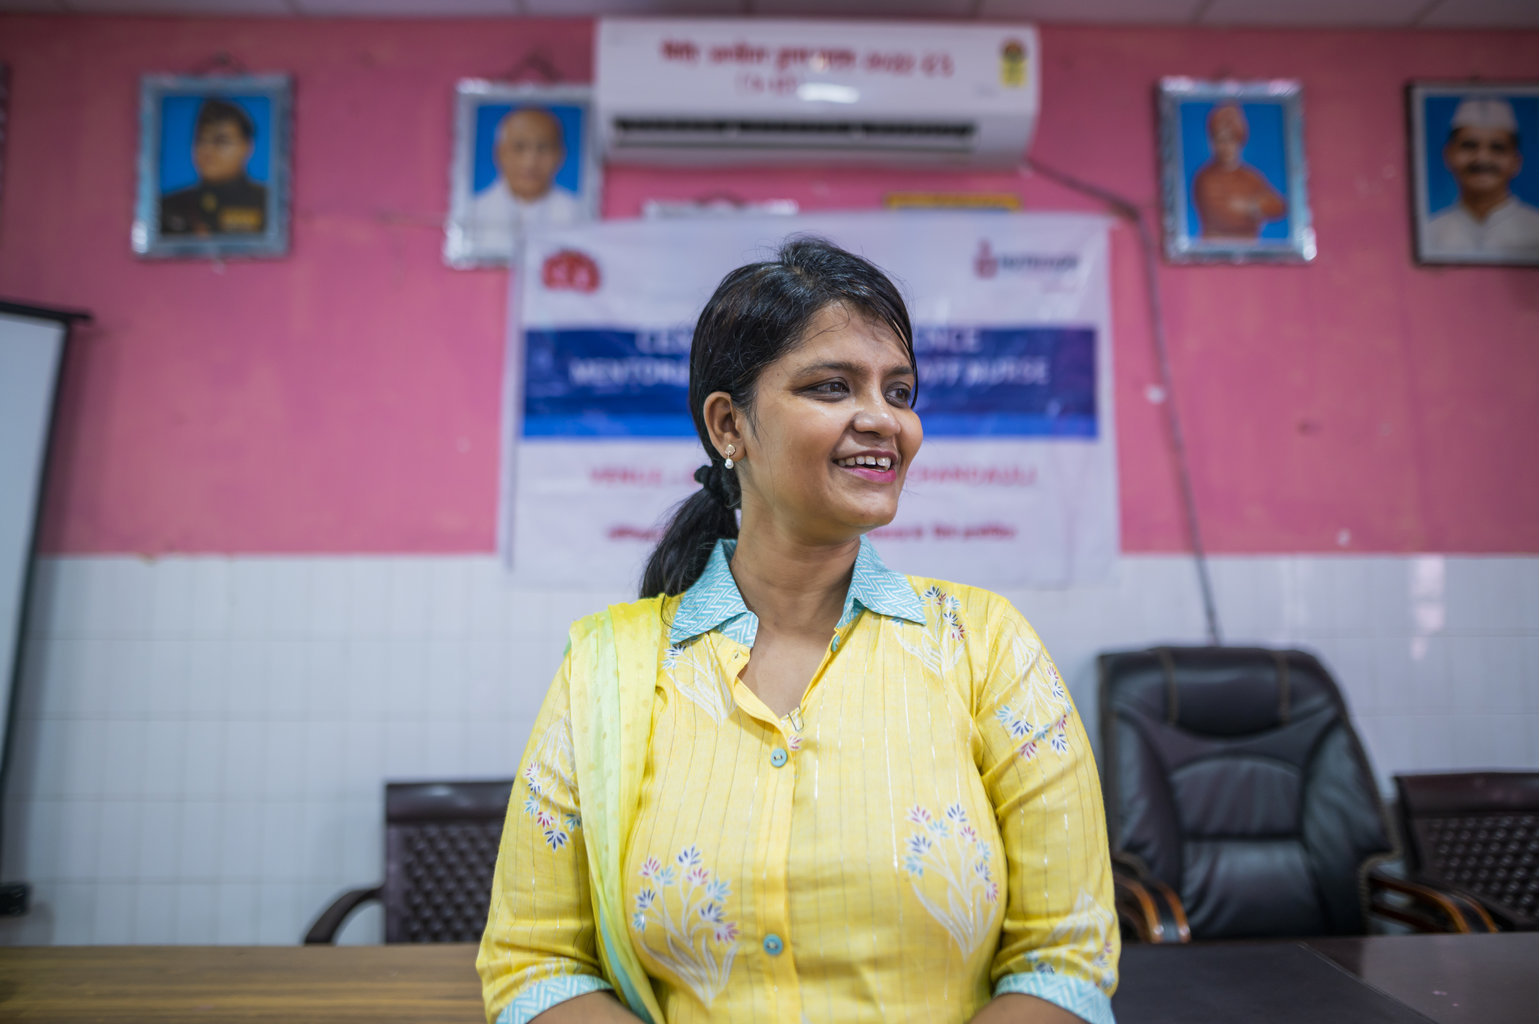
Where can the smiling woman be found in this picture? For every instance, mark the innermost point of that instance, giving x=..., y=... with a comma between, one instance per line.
x=725, y=813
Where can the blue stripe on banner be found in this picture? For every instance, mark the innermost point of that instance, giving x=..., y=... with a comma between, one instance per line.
x=973, y=382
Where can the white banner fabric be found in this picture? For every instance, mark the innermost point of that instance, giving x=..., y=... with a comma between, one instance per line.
x=1015, y=484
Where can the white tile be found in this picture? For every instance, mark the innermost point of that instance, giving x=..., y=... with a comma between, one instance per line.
x=155, y=914
x=326, y=599
x=241, y=841
x=160, y=841
x=1432, y=747
x=211, y=584
x=205, y=761
x=121, y=596
x=201, y=828
x=84, y=744
x=487, y=754
x=322, y=834
x=58, y=675
x=411, y=581
x=97, y=668
x=283, y=762
x=174, y=606
x=168, y=683
x=365, y=927
x=123, y=759
x=281, y=914
x=288, y=597
x=32, y=839
x=1485, y=595
x=364, y=744
x=1413, y=675
x=74, y=913
x=128, y=690
x=326, y=682
x=164, y=754
x=405, y=751
x=1353, y=663
x=443, y=693
x=286, y=680
x=32, y=686
x=21, y=778
x=488, y=688
x=78, y=843
x=50, y=743
x=117, y=841
x=283, y=842
x=252, y=581
x=197, y=914
x=368, y=598
x=489, y=612
x=323, y=765
x=208, y=680
x=244, y=759
x=1531, y=727
x=368, y=661
x=246, y=676
x=363, y=839
x=444, y=753
x=116, y=905
x=405, y=685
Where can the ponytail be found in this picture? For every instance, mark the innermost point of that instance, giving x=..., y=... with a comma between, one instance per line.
x=698, y=523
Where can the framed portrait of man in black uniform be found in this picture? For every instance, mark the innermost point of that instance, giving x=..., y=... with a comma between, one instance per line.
x=213, y=166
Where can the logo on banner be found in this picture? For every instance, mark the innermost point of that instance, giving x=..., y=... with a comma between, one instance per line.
x=570, y=270
x=987, y=263
x=1012, y=64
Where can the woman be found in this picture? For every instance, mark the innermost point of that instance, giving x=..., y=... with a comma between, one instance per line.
x=791, y=784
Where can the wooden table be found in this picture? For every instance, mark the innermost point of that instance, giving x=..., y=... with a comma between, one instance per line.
x=1378, y=980
x=1449, y=978
x=427, y=984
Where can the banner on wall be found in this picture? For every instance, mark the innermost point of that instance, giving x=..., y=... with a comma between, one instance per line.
x=1015, y=484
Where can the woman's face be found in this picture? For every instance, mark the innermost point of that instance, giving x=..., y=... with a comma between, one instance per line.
x=832, y=431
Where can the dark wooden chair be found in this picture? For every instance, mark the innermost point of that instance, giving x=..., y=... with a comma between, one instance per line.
x=1479, y=832
x=441, y=842
x=1240, y=803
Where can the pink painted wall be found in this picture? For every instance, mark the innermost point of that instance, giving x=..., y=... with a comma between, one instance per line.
x=345, y=399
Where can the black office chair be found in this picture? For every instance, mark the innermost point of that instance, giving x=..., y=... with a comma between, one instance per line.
x=1478, y=831
x=441, y=842
x=1240, y=802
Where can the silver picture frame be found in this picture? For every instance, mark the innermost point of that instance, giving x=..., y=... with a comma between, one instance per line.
x=214, y=166
x=1474, y=199
x=1234, y=179
x=504, y=179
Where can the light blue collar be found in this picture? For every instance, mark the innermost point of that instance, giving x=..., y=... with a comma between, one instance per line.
x=715, y=603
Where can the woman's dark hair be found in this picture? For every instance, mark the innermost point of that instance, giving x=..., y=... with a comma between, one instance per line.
x=758, y=314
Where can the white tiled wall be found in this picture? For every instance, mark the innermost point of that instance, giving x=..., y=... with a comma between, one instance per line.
x=201, y=743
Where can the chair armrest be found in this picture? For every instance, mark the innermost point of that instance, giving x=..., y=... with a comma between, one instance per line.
x=1424, y=906
x=1147, y=908
x=325, y=928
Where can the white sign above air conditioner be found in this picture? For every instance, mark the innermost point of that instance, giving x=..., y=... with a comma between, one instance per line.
x=740, y=91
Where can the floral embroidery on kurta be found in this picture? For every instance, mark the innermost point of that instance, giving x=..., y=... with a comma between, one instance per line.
x=950, y=849
x=1038, y=708
x=550, y=784
x=692, y=936
x=695, y=673
x=943, y=640
x=1087, y=928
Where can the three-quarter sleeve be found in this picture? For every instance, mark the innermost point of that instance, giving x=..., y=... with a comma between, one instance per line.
x=1059, y=940
x=539, y=947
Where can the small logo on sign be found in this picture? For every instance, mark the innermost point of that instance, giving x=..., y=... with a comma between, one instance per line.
x=570, y=270
x=985, y=264
x=1012, y=64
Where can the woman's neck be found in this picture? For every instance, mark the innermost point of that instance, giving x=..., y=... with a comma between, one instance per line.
x=793, y=586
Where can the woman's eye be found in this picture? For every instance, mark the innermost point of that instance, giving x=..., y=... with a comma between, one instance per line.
x=830, y=387
x=901, y=393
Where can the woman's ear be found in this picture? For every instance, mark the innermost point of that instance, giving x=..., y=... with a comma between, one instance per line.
x=722, y=423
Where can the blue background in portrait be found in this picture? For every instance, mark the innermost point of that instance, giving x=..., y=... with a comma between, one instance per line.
x=1265, y=150
x=177, y=116
x=1442, y=190
x=489, y=115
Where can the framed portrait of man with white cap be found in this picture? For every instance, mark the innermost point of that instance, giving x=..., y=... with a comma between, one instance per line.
x=1475, y=199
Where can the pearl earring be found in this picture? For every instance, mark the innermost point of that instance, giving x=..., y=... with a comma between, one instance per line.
x=731, y=451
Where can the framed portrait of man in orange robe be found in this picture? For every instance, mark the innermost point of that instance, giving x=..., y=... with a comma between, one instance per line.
x=1233, y=172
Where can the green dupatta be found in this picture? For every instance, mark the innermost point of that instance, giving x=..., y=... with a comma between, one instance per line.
x=614, y=673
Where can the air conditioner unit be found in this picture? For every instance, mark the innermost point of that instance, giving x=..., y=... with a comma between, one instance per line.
x=741, y=91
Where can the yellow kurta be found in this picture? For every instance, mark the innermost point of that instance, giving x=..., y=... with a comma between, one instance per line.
x=923, y=831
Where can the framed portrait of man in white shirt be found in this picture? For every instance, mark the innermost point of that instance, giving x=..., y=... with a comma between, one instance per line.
x=1475, y=197
x=523, y=160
